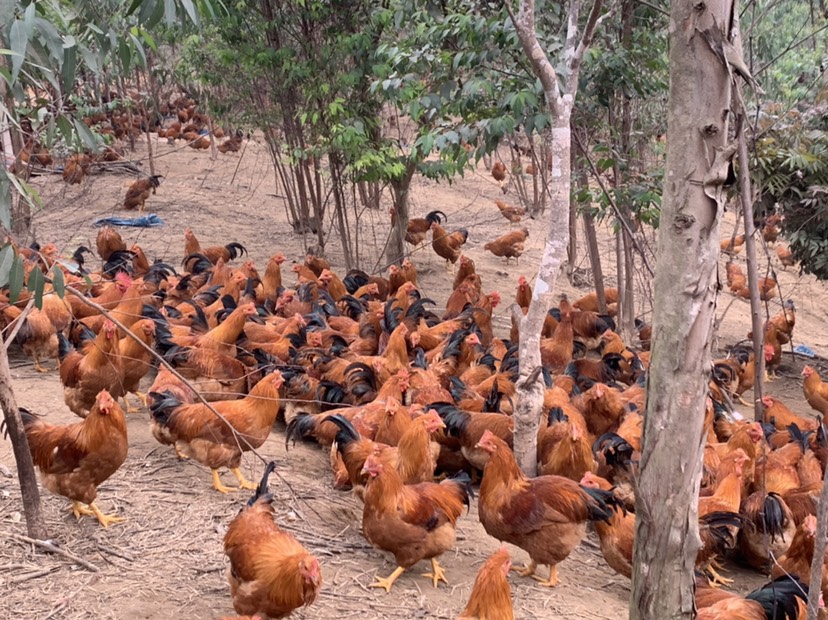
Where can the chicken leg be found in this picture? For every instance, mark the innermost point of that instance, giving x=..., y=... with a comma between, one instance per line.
x=218, y=486
x=388, y=581
x=716, y=580
x=244, y=483
x=78, y=509
x=105, y=520
x=437, y=573
x=527, y=570
x=130, y=408
x=38, y=367
x=552, y=580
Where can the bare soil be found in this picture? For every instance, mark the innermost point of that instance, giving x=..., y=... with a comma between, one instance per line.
x=166, y=560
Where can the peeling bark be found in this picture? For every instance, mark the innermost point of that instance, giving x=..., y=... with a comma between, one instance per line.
x=667, y=537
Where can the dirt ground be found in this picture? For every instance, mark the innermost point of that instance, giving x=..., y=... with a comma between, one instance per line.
x=166, y=560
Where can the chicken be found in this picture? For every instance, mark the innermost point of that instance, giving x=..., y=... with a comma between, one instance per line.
x=465, y=270
x=564, y=447
x=797, y=560
x=782, y=599
x=417, y=230
x=75, y=459
x=108, y=242
x=544, y=516
x=36, y=336
x=732, y=246
x=228, y=252
x=616, y=535
x=76, y=168
x=785, y=256
x=270, y=573
x=208, y=439
x=491, y=596
x=447, y=245
x=508, y=246
x=816, y=392
x=510, y=212
x=414, y=522
x=768, y=531
x=140, y=190
x=736, y=279
x=231, y=145
x=499, y=171
x=781, y=417
x=84, y=375
x=767, y=289
x=589, y=302
x=469, y=428
x=135, y=360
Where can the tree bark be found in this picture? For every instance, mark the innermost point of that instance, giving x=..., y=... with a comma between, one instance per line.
x=35, y=523
x=572, y=247
x=667, y=537
x=400, y=189
x=529, y=396
x=595, y=262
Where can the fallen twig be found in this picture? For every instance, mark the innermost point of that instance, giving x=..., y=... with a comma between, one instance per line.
x=51, y=548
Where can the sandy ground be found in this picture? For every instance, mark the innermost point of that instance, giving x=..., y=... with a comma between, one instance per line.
x=166, y=561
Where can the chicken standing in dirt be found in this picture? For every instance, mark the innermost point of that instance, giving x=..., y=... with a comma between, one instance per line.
x=75, y=459
x=270, y=573
x=414, y=522
x=140, y=191
x=491, y=596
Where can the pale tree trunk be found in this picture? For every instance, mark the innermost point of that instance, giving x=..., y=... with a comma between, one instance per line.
x=667, y=535
x=529, y=396
x=35, y=523
x=399, y=190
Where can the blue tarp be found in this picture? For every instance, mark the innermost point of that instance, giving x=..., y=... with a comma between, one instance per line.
x=146, y=221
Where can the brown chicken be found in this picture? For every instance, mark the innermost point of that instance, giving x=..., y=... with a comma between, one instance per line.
x=448, y=245
x=270, y=573
x=204, y=437
x=108, y=242
x=510, y=245
x=465, y=270
x=617, y=535
x=779, y=415
x=36, y=336
x=785, y=256
x=816, y=392
x=136, y=361
x=767, y=289
x=76, y=168
x=797, y=560
x=589, y=301
x=768, y=531
x=140, y=190
x=75, y=459
x=491, y=596
x=510, y=212
x=736, y=279
x=785, y=597
x=228, y=252
x=565, y=447
x=732, y=246
x=544, y=516
x=499, y=171
x=84, y=375
x=417, y=230
x=414, y=522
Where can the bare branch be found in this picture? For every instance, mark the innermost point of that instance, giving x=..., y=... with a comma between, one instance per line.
x=51, y=548
x=525, y=27
x=574, y=64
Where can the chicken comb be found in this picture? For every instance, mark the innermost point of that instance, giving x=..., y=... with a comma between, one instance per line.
x=123, y=278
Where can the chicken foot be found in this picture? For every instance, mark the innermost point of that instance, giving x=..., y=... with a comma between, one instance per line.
x=130, y=408
x=38, y=366
x=715, y=579
x=244, y=483
x=79, y=509
x=437, y=573
x=387, y=582
x=217, y=484
x=527, y=570
x=552, y=580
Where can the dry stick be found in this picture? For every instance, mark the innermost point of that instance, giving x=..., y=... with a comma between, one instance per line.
x=750, y=249
x=238, y=437
x=18, y=324
x=48, y=546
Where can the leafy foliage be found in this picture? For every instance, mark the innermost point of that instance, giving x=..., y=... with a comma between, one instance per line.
x=792, y=170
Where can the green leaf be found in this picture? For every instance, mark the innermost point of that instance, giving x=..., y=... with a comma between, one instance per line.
x=5, y=198
x=191, y=11
x=125, y=55
x=169, y=12
x=6, y=261
x=35, y=285
x=19, y=42
x=57, y=280
x=16, y=276
x=64, y=125
x=68, y=69
x=139, y=49
x=86, y=135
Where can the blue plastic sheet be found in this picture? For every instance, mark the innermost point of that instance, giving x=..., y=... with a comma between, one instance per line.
x=145, y=221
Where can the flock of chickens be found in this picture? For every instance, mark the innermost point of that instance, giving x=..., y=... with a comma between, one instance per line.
x=397, y=392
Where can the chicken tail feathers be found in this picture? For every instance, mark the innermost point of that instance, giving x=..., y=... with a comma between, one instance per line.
x=463, y=482
x=436, y=216
x=29, y=419
x=773, y=516
x=778, y=598
x=235, y=250
x=163, y=406
x=602, y=504
x=346, y=435
x=722, y=527
x=64, y=347
x=261, y=490
x=302, y=426
x=616, y=450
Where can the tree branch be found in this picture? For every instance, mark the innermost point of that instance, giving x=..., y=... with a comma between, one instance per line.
x=594, y=20
x=18, y=323
x=51, y=548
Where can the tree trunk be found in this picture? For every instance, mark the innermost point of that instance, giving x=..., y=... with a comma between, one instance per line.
x=667, y=536
x=572, y=247
x=595, y=262
x=530, y=393
x=35, y=523
x=400, y=189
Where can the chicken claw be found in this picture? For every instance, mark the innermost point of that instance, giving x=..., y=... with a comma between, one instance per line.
x=244, y=483
x=143, y=398
x=437, y=573
x=716, y=580
x=39, y=368
x=105, y=520
x=387, y=582
x=527, y=570
x=551, y=581
x=78, y=509
x=218, y=486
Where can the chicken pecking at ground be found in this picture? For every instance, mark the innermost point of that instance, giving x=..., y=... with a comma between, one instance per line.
x=140, y=191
